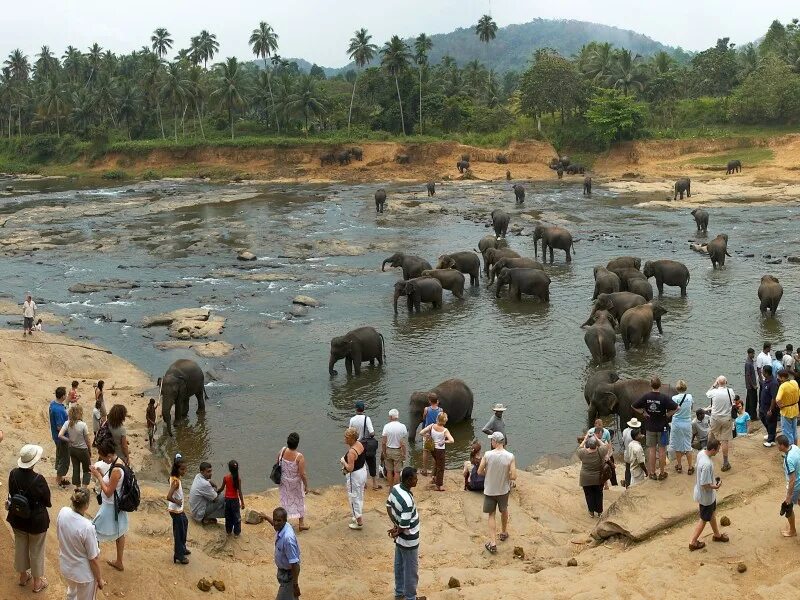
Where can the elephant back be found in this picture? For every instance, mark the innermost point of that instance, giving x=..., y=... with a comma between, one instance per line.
x=456, y=399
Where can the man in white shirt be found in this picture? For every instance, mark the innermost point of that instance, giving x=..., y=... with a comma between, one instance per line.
x=721, y=427
x=789, y=360
x=78, y=550
x=206, y=505
x=499, y=468
x=762, y=359
x=28, y=314
x=634, y=457
x=634, y=427
x=394, y=447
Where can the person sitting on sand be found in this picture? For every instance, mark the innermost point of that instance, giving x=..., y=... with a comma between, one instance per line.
x=791, y=463
x=700, y=427
x=206, y=504
x=38, y=326
x=472, y=481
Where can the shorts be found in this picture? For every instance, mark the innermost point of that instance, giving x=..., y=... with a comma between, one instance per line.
x=493, y=503
x=721, y=429
x=655, y=438
x=393, y=459
x=707, y=512
x=27, y=323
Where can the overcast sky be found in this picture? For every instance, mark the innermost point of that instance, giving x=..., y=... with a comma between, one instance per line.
x=319, y=30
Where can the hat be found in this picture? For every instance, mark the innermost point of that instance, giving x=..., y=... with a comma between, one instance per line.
x=499, y=407
x=29, y=456
x=498, y=437
x=394, y=413
x=360, y=405
x=634, y=423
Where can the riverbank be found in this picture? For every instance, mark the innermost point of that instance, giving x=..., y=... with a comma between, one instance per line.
x=549, y=522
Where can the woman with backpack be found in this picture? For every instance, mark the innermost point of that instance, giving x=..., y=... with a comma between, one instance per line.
x=110, y=523
x=294, y=483
x=681, y=431
x=28, y=501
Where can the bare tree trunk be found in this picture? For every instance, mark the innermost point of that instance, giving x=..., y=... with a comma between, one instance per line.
x=200, y=119
x=230, y=119
x=58, y=126
x=160, y=120
x=175, y=123
x=183, y=119
x=271, y=97
x=402, y=120
x=420, y=99
x=352, y=97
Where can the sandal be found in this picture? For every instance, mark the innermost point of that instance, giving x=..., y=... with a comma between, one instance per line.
x=723, y=538
x=726, y=467
x=44, y=585
x=24, y=583
x=678, y=469
x=502, y=537
x=490, y=547
x=697, y=546
x=662, y=476
x=377, y=487
x=690, y=471
x=653, y=477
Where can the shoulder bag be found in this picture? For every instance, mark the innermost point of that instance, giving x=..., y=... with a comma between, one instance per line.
x=369, y=442
x=277, y=470
x=734, y=411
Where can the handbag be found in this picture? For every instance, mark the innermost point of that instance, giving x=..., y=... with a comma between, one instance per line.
x=277, y=470
x=606, y=472
x=370, y=443
x=734, y=410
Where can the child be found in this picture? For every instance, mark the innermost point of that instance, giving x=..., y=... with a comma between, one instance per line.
x=38, y=326
x=234, y=501
x=151, y=421
x=74, y=396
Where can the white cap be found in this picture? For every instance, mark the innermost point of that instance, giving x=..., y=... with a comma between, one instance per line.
x=394, y=414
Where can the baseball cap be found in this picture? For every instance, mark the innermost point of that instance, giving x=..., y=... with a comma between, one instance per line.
x=498, y=437
x=360, y=405
x=394, y=413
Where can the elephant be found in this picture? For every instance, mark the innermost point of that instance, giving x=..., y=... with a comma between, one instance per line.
x=492, y=255
x=605, y=282
x=560, y=172
x=466, y=262
x=431, y=188
x=701, y=218
x=684, y=184
x=574, y=169
x=734, y=166
x=462, y=166
x=491, y=241
x=617, y=304
x=380, y=200
x=451, y=279
x=465, y=157
x=328, y=158
x=513, y=263
x=631, y=262
x=601, y=377
x=636, y=324
x=417, y=290
x=564, y=160
x=626, y=274
x=524, y=281
x=183, y=379
x=412, y=265
x=455, y=398
x=552, y=237
x=402, y=159
x=587, y=186
x=355, y=347
x=343, y=157
x=608, y=398
x=508, y=175
x=601, y=337
x=501, y=159
x=500, y=219
x=519, y=193
x=670, y=272
x=357, y=153
x=770, y=292
x=641, y=286
x=718, y=250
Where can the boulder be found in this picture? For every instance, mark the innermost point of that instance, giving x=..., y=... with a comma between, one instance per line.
x=298, y=310
x=268, y=277
x=111, y=284
x=175, y=284
x=793, y=259
x=194, y=329
x=219, y=585
x=166, y=319
x=204, y=585
x=245, y=255
x=204, y=349
x=253, y=517
x=453, y=583
x=305, y=301
x=572, y=562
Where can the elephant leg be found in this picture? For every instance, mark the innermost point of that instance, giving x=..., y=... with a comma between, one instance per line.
x=371, y=362
x=551, y=254
x=201, y=399
x=569, y=257
x=410, y=304
x=348, y=364
x=683, y=290
x=356, y=358
x=660, y=286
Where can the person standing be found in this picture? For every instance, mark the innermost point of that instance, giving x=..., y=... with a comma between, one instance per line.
x=293, y=484
x=721, y=426
x=440, y=436
x=206, y=504
x=175, y=506
x=751, y=384
x=791, y=463
x=496, y=423
x=634, y=456
x=73, y=396
x=109, y=523
x=592, y=454
x=786, y=399
x=681, y=430
x=777, y=363
x=355, y=471
x=393, y=447
x=99, y=394
x=499, y=468
x=402, y=511
x=766, y=405
x=630, y=433
x=789, y=360
x=764, y=358
x=28, y=314
x=76, y=434
x=30, y=530
x=361, y=422
x=58, y=416
x=234, y=500
x=705, y=494
x=429, y=416
x=78, y=550
x=116, y=426
x=287, y=556
x=97, y=419
x=656, y=408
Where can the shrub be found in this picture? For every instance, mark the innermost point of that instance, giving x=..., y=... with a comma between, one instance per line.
x=114, y=174
x=150, y=175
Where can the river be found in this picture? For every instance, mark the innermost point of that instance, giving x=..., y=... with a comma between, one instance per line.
x=528, y=355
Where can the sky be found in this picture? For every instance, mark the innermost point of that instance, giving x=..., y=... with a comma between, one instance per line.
x=319, y=30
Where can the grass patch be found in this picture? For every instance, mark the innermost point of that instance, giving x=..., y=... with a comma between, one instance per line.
x=114, y=175
x=748, y=156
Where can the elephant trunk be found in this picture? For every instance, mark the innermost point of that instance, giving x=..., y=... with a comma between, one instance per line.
x=331, y=363
x=383, y=265
x=396, y=296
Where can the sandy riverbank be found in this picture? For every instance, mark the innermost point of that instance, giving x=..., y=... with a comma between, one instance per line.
x=646, y=557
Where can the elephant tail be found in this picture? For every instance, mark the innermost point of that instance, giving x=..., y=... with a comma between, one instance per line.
x=205, y=394
x=383, y=347
x=572, y=243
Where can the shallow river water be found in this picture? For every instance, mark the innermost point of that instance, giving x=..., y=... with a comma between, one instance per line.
x=530, y=356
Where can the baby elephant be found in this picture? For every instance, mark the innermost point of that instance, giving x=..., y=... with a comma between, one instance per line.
x=532, y=282
x=357, y=346
x=701, y=218
x=418, y=290
x=637, y=322
x=718, y=250
x=734, y=166
x=519, y=193
x=684, y=184
x=451, y=279
x=770, y=293
x=380, y=200
x=431, y=189
x=587, y=186
x=462, y=166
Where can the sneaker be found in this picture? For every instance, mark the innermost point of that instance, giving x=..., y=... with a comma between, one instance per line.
x=355, y=526
x=769, y=444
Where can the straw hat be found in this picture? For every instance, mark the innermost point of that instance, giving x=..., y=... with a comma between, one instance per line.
x=634, y=423
x=499, y=407
x=29, y=456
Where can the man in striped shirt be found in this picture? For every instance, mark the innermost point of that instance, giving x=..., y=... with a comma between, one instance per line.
x=402, y=511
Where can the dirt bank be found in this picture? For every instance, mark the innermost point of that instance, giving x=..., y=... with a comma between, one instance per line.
x=548, y=520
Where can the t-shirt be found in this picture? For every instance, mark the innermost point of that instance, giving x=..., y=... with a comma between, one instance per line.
x=287, y=550
x=777, y=367
x=788, y=362
x=357, y=423
x=96, y=419
x=634, y=456
x=497, y=481
x=627, y=438
x=76, y=434
x=787, y=398
x=404, y=512
x=77, y=545
x=230, y=491
x=791, y=462
x=29, y=309
x=606, y=437
x=495, y=424
x=200, y=494
x=116, y=435
x=394, y=432
x=705, y=475
x=762, y=359
x=684, y=402
x=741, y=423
x=58, y=416
x=431, y=415
x=721, y=402
x=769, y=389
x=700, y=428
x=657, y=405
x=176, y=507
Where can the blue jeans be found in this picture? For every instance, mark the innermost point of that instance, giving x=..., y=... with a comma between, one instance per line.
x=180, y=529
x=406, y=576
x=233, y=516
x=789, y=428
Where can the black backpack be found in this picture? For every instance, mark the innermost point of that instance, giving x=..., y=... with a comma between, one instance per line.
x=129, y=496
x=104, y=433
x=18, y=505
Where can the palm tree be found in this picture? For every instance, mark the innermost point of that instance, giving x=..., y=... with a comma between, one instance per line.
x=82, y=114
x=175, y=90
x=486, y=29
x=94, y=58
x=627, y=72
x=18, y=70
x=153, y=67
x=45, y=63
x=602, y=62
x=72, y=61
x=662, y=63
x=474, y=77
x=360, y=51
x=127, y=104
x=207, y=47
x=422, y=45
x=161, y=42
x=264, y=42
x=52, y=101
x=198, y=89
x=304, y=100
x=395, y=56
x=231, y=87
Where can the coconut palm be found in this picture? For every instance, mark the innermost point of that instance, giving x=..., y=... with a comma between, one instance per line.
x=601, y=63
x=627, y=72
x=486, y=29
x=361, y=51
x=152, y=68
x=264, y=42
x=46, y=63
x=94, y=58
x=83, y=113
x=72, y=61
x=161, y=42
x=199, y=92
x=18, y=65
x=53, y=101
x=395, y=56
x=175, y=90
x=230, y=87
x=127, y=104
x=422, y=45
x=304, y=101
x=207, y=47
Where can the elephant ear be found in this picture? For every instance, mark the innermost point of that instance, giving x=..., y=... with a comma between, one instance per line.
x=610, y=401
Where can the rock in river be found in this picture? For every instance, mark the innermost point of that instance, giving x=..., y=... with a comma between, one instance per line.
x=305, y=301
x=165, y=319
x=204, y=349
x=245, y=255
x=110, y=284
